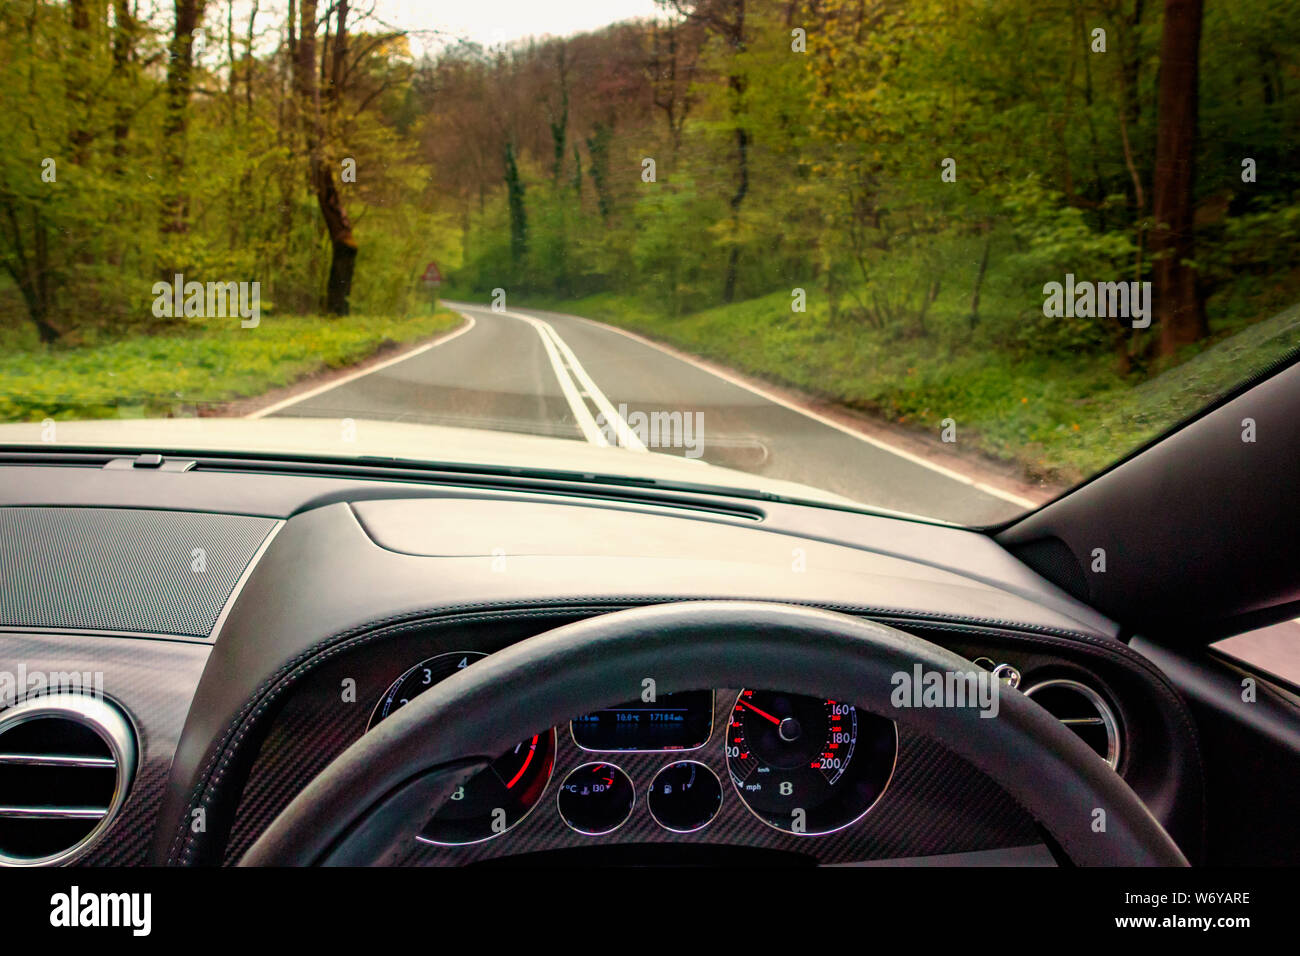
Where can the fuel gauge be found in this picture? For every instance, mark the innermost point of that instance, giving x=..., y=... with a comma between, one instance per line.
x=684, y=796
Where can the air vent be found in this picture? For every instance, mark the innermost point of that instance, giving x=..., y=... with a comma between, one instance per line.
x=66, y=763
x=1083, y=711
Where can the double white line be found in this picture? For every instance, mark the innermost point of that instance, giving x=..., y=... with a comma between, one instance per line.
x=567, y=369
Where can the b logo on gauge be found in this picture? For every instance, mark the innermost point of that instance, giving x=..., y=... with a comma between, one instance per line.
x=495, y=799
x=807, y=765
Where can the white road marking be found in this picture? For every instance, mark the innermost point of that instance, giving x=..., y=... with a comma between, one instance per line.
x=353, y=376
x=815, y=416
x=555, y=347
x=626, y=437
x=590, y=430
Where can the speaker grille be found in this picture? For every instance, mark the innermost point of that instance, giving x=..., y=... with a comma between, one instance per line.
x=157, y=572
x=1052, y=558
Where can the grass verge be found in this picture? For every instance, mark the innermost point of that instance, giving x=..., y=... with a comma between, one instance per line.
x=208, y=361
x=1058, y=418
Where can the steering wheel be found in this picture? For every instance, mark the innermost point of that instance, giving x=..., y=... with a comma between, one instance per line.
x=367, y=806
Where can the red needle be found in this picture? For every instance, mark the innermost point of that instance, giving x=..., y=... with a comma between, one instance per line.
x=762, y=713
x=527, y=760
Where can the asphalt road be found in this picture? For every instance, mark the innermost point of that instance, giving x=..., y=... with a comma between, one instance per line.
x=544, y=373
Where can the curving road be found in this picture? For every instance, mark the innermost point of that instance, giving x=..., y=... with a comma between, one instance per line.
x=545, y=373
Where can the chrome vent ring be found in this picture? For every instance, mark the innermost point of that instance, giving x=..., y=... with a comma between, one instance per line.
x=1083, y=711
x=66, y=766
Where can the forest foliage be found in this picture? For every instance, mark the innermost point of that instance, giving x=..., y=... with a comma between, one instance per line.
x=920, y=168
x=899, y=173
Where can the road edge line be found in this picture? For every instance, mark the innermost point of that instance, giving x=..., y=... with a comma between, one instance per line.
x=361, y=373
x=734, y=379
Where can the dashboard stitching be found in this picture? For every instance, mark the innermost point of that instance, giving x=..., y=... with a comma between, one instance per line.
x=211, y=777
x=208, y=786
x=1123, y=652
x=1159, y=681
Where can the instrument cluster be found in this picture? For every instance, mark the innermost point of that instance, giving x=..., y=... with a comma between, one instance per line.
x=803, y=765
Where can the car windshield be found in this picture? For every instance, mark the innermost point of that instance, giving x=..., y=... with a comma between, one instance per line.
x=945, y=259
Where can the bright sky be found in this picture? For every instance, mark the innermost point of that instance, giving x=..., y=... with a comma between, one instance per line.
x=490, y=22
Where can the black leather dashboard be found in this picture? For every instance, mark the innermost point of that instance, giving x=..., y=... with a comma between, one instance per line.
x=365, y=578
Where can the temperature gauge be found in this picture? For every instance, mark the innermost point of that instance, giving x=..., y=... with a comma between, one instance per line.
x=596, y=798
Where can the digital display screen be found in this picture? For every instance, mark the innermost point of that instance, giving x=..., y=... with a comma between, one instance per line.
x=680, y=721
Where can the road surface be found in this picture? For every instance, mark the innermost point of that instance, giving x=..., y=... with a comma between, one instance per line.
x=544, y=373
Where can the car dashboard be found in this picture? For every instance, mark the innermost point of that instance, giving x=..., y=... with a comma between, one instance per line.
x=250, y=623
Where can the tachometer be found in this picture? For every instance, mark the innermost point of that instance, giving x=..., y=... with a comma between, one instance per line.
x=495, y=799
x=806, y=765
x=419, y=679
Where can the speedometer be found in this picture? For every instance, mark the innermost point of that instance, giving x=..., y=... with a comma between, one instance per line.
x=808, y=765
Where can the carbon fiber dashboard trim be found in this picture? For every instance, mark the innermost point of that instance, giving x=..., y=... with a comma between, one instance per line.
x=936, y=804
x=151, y=680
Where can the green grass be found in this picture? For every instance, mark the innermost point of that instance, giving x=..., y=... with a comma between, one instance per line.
x=1139, y=413
x=209, y=361
x=1058, y=418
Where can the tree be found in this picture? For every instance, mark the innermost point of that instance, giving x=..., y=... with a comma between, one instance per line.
x=518, y=215
x=726, y=18
x=671, y=67
x=180, y=69
x=320, y=173
x=1179, y=305
x=559, y=115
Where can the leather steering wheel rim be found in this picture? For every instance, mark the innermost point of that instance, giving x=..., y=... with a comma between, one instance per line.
x=367, y=805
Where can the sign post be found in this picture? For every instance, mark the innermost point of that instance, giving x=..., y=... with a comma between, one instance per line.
x=432, y=280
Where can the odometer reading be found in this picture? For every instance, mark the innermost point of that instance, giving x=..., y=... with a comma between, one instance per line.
x=677, y=721
x=807, y=765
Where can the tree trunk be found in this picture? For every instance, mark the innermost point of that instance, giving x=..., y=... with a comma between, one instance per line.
x=248, y=61
x=738, y=197
x=735, y=32
x=180, y=68
x=124, y=40
x=518, y=213
x=1179, y=307
x=559, y=119
x=79, y=82
x=31, y=273
x=339, y=56
x=343, y=245
x=979, y=276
